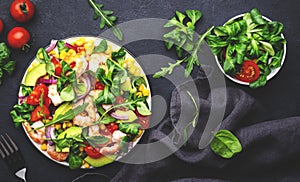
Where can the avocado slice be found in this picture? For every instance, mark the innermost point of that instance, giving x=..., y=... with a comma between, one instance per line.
x=99, y=162
x=126, y=86
x=131, y=115
x=33, y=75
x=70, y=132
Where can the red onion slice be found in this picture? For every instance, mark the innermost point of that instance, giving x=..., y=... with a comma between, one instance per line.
x=50, y=134
x=121, y=117
x=51, y=46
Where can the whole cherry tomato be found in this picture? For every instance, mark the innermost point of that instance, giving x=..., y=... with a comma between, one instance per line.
x=1, y=26
x=57, y=65
x=22, y=10
x=92, y=152
x=18, y=38
x=249, y=72
x=39, y=113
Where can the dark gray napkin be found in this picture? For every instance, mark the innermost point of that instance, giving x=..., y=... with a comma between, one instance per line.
x=271, y=149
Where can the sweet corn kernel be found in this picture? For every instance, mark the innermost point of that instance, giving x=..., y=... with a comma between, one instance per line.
x=129, y=61
x=145, y=92
x=71, y=52
x=57, y=126
x=81, y=148
x=142, y=87
x=139, y=94
x=79, y=42
x=64, y=126
x=54, y=53
x=86, y=165
x=44, y=147
x=62, y=55
x=89, y=46
x=69, y=124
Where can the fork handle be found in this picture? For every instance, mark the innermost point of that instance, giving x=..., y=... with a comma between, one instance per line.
x=21, y=174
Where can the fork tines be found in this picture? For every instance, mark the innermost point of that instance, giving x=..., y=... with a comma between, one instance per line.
x=10, y=153
x=7, y=146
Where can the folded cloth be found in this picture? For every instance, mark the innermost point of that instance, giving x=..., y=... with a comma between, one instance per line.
x=270, y=148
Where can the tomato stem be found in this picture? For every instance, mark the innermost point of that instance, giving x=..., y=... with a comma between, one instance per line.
x=25, y=47
x=23, y=7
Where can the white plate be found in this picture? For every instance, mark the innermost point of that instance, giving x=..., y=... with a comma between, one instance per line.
x=115, y=47
x=273, y=72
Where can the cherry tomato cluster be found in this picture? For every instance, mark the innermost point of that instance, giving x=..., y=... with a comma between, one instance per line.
x=22, y=11
x=41, y=111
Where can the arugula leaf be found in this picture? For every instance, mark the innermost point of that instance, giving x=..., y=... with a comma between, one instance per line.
x=105, y=97
x=106, y=18
x=167, y=70
x=69, y=115
x=118, y=55
x=267, y=47
x=191, y=60
x=102, y=47
x=225, y=144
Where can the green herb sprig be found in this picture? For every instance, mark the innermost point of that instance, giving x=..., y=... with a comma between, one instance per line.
x=5, y=64
x=106, y=18
x=191, y=60
x=194, y=121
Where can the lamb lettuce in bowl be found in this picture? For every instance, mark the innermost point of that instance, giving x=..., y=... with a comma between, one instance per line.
x=249, y=48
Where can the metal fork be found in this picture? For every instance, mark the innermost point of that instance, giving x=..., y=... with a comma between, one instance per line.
x=12, y=156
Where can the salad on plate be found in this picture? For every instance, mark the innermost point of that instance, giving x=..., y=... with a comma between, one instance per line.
x=83, y=102
x=249, y=48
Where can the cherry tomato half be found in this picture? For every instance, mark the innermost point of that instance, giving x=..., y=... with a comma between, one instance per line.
x=111, y=127
x=99, y=86
x=22, y=10
x=249, y=72
x=1, y=25
x=39, y=113
x=34, y=96
x=57, y=65
x=92, y=152
x=18, y=38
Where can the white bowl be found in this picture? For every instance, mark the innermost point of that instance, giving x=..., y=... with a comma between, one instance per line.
x=273, y=72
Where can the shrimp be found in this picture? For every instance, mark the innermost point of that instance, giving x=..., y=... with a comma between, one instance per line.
x=116, y=139
x=58, y=156
x=111, y=149
x=38, y=135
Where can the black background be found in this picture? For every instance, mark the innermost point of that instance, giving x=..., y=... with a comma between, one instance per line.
x=59, y=19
